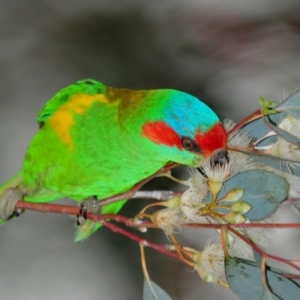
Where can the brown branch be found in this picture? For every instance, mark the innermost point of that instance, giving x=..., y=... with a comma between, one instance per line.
x=158, y=247
x=48, y=207
x=162, y=248
x=73, y=210
x=132, y=191
x=254, y=116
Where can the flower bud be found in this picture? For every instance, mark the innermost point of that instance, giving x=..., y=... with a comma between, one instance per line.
x=233, y=195
x=214, y=187
x=173, y=202
x=241, y=207
x=234, y=218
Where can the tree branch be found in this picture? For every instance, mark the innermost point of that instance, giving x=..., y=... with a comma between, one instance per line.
x=132, y=191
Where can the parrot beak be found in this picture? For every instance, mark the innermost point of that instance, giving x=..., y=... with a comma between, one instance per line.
x=220, y=157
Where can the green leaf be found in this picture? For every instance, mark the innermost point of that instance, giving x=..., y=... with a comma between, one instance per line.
x=267, y=106
x=160, y=294
x=263, y=190
x=244, y=278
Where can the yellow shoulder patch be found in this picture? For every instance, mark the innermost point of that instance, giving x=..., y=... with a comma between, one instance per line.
x=63, y=119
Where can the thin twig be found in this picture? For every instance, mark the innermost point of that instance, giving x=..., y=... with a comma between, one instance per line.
x=162, y=248
x=292, y=200
x=145, y=270
x=133, y=190
x=73, y=210
x=158, y=195
x=254, y=116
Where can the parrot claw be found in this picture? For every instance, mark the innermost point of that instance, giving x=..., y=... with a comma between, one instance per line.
x=8, y=201
x=86, y=206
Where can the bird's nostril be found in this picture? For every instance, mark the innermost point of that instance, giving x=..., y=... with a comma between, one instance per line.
x=220, y=158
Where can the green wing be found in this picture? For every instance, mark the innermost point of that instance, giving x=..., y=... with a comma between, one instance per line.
x=86, y=86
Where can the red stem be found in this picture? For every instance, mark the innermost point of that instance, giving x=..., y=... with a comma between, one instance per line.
x=291, y=276
x=158, y=247
x=292, y=200
x=255, y=115
x=73, y=210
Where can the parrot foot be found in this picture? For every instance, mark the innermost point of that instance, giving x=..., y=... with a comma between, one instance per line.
x=8, y=201
x=86, y=206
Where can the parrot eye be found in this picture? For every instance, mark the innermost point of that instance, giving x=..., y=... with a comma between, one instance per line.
x=189, y=144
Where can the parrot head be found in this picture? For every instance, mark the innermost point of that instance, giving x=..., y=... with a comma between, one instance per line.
x=186, y=130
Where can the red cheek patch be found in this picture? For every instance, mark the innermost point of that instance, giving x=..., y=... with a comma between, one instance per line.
x=161, y=133
x=215, y=138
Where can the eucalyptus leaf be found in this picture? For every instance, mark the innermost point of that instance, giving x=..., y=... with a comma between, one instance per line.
x=160, y=294
x=258, y=129
x=268, y=295
x=284, y=165
x=263, y=190
x=278, y=271
x=291, y=106
x=296, y=281
x=290, y=138
x=295, y=112
x=258, y=258
x=244, y=279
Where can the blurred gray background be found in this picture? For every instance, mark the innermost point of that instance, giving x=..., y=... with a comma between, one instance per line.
x=227, y=53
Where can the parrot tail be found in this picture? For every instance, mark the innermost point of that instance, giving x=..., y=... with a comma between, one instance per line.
x=9, y=195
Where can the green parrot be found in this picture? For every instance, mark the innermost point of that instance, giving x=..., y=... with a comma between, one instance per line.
x=97, y=141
